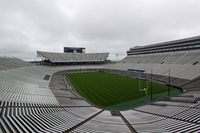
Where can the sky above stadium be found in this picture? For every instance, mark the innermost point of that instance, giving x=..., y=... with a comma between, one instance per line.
x=111, y=26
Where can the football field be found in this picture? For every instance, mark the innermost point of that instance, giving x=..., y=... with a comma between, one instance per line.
x=109, y=91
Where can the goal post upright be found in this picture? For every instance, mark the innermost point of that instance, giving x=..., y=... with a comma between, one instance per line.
x=151, y=83
x=169, y=84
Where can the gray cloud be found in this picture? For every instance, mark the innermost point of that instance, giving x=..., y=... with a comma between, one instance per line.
x=99, y=25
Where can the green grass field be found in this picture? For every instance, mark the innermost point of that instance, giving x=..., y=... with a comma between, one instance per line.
x=112, y=92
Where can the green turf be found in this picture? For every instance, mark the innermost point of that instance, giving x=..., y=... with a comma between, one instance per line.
x=111, y=91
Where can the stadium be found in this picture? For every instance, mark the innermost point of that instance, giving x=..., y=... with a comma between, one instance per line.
x=155, y=88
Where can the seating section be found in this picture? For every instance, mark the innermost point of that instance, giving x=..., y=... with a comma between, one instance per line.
x=21, y=85
x=73, y=57
x=173, y=117
x=184, y=64
x=12, y=63
x=168, y=125
x=192, y=85
x=25, y=117
x=28, y=103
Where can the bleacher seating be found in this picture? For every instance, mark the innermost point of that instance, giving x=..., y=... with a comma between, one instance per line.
x=182, y=64
x=74, y=57
x=7, y=63
x=30, y=104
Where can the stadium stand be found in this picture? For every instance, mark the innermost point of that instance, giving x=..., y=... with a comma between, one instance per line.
x=180, y=57
x=181, y=64
x=192, y=85
x=59, y=58
x=11, y=63
x=28, y=103
x=53, y=107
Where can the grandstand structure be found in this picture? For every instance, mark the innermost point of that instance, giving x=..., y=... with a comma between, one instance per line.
x=170, y=46
x=12, y=63
x=37, y=98
x=182, y=57
x=73, y=58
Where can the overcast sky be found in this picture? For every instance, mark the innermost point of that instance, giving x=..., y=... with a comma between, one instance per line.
x=99, y=25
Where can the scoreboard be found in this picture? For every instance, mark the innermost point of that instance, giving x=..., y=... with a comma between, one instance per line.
x=74, y=50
